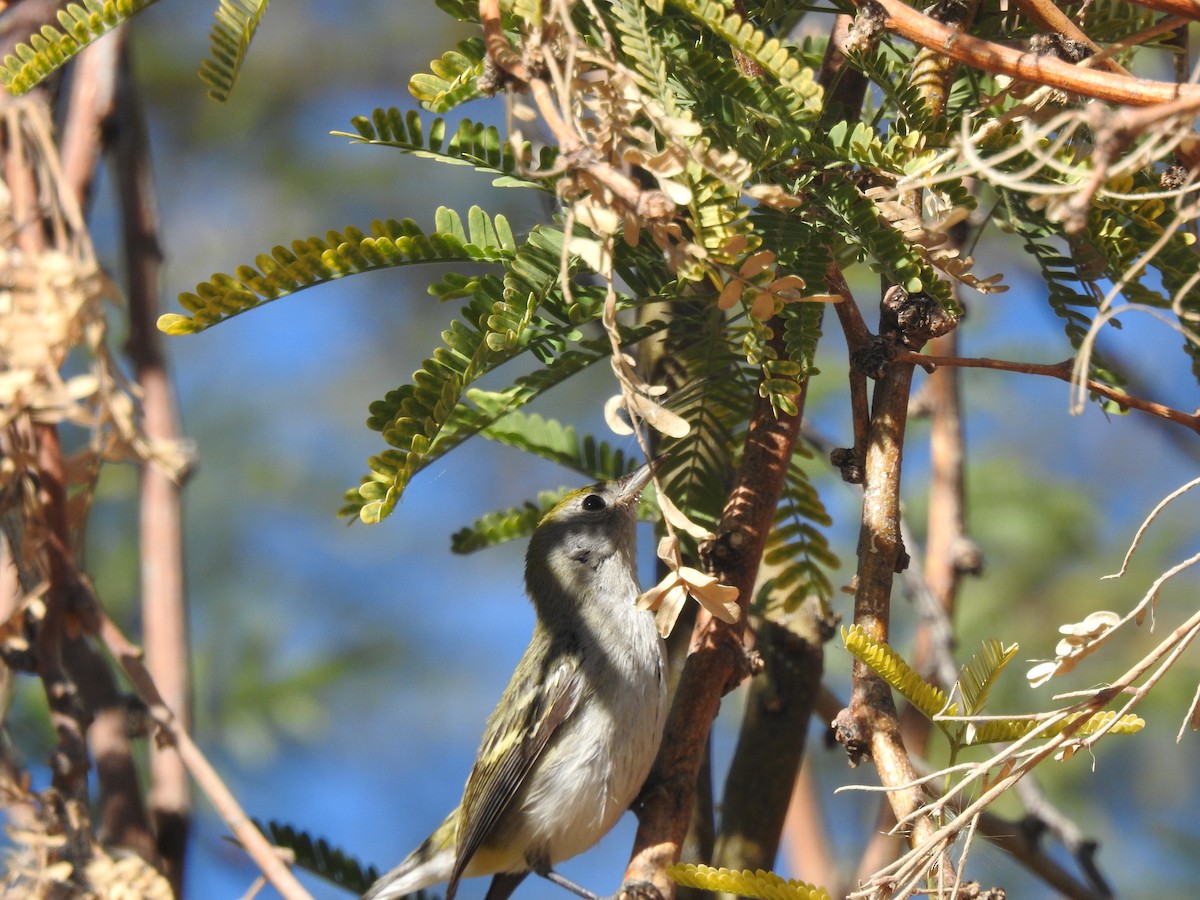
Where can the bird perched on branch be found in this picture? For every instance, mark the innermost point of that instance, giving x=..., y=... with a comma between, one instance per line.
x=573, y=737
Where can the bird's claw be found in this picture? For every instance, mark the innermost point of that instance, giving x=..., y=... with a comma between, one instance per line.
x=637, y=890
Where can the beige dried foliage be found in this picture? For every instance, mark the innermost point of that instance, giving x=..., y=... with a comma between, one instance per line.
x=126, y=877
x=55, y=363
x=931, y=239
x=1081, y=639
x=667, y=597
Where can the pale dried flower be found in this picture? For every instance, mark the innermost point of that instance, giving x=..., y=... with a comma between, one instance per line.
x=668, y=596
x=1082, y=639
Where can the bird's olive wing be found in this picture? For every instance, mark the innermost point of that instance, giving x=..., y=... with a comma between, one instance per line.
x=532, y=710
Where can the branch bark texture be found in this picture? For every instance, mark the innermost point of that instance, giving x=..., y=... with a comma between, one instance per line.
x=718, y=660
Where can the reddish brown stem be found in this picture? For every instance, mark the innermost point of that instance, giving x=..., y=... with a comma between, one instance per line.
x=1063, y=371
x=998, y=59
x=69, y=763
x=1185, y=8
x=1047, y=15
x=717, y=660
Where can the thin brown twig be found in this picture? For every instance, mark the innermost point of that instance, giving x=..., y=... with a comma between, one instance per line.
x=164, y=613
x=69, y=764
x=1188, y=9
x=252, y=840
x=1150, y=517
x=998, y=59
x=1050, y=17
x=1063, y=372
x=858, y=337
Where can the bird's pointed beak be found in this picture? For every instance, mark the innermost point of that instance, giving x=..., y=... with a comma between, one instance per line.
x=631, y=486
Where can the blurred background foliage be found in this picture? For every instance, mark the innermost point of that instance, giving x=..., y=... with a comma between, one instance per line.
x=343, y=672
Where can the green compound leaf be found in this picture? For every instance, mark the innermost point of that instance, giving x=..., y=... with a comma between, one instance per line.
x=472, y=144
x=506, y=525
x=797, y=552
x=996, y=730
x=315, y=261
x=559, y=443
x=524, y=311
x=317, y=856
x=776, y=60
x=50, y=49
x=452, y=79
x=229, y=40
x=891, y=667
x=981, y=672
x=760, y=884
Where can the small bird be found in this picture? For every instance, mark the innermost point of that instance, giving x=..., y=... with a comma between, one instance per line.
x=573, y=737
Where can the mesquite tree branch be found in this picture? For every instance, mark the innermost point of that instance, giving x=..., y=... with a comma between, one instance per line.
x=1063, y=371
x=921, y=29
x=164, y=613
x=718, y=660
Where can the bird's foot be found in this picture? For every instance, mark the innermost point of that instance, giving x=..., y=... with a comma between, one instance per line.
x=638, y=890
x=564, y=882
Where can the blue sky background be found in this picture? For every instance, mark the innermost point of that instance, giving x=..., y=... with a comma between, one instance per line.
x=276, y=400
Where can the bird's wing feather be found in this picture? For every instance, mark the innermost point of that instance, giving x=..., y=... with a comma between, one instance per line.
x=504, y=761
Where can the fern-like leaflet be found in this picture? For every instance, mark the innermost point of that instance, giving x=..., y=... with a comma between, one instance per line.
x=452, y=78
x=471, y=144
x=50, y=49
x=236, y=23
x=316, y=261
x=319, y=857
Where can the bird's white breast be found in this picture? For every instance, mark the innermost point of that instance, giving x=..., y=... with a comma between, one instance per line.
x=597, y=763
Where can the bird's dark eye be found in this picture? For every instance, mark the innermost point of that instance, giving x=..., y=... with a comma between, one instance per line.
x=593, y=503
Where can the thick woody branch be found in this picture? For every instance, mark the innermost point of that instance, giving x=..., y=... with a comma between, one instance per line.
x=869, y=726
x=998, y=59
x=1185, y=8
x=718, y=660
x=771, y=741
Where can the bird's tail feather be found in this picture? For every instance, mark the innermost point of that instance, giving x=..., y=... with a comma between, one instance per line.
x=431, y=863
